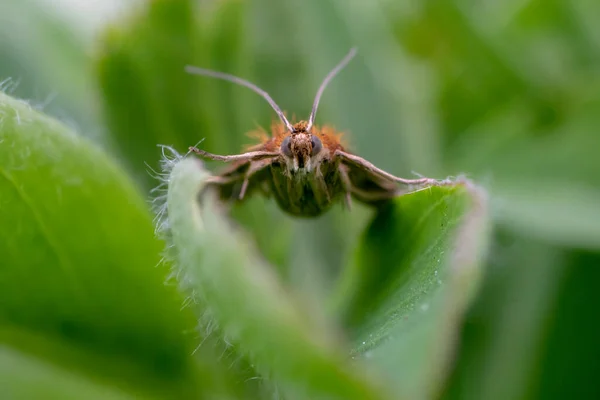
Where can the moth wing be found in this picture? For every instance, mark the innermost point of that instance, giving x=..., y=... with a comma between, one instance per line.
x=368, y=187
x=229, y=182
x=367, y=183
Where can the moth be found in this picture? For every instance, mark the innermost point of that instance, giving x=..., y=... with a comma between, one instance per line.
x=306, y=168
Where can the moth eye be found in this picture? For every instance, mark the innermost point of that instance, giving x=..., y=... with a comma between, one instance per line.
x=316, y=144
x=286, y=146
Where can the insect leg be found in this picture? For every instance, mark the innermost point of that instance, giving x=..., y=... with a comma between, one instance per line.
x=346, y=184
x=362, y=195
x=371, y=197
x=250, y=156
x=222, y=180
x=366, y=165
x=295, y=190
x=279, y=187
x=320, y=189
x=252, y=170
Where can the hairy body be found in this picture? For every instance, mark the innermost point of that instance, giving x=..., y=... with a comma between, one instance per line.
x=304, y=167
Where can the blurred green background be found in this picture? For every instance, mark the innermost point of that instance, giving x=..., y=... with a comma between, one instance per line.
x=507, y=93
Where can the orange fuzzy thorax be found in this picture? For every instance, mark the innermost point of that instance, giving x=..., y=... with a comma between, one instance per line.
x=331, y=139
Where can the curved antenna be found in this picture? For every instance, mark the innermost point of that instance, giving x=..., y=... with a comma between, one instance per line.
x=324, y=84
x=231, y=78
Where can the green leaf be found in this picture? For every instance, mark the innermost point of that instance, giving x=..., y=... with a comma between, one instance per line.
x=288, y=342
x=79, y=283
x=403, y=300
x=25, y=377
x=413, y=276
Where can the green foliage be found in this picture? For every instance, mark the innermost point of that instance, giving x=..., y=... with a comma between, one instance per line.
x=427, y=280
x=405, y=302
x=246, y=300
x=408, y=296
x=79, y=285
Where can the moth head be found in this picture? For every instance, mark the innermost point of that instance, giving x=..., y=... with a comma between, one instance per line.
x=301, y=149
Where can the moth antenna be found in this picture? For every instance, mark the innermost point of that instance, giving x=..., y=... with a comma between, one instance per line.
x=239, y=81
x=325, y=82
